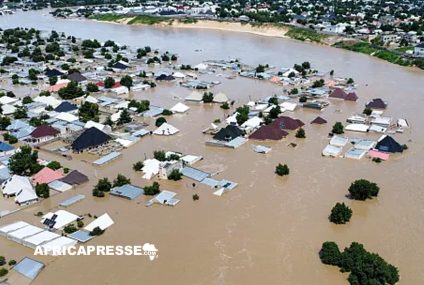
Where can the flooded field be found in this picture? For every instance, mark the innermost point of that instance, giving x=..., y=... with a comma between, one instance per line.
x=269, y=229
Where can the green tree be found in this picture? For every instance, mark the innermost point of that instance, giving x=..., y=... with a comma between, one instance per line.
x=243, y=114
x=338, y=128
x=4, y=122
x=282, y=170
x=2, y=260
x=24, y=162
x=207, y=97
x=102, y=186
x=91, y=87
x=363, y=189
x=138, y=166
x=330, y=253
x=124, y=118
x=160, y=121
x=71, y=91
x=300, y=133
x=69, y=229
x=127, y=81
x=42, y=190
x=275, y=112
x=109, y=82
x=121, y=180
x=152, y=190
x=367, y=111
x=175, y=175
x=159, y=155
x=97, y=231
x=20, y=113
x=55, y=165
x=3, y=272
x=89, y=111
x=225, y=106
x=340, y=214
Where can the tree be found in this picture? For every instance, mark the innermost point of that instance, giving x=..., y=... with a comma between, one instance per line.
x=138, y=166
x=121, y=180
x=243, y=114
x=225, y=106
x=3, y=272
x=2, y=260
x=69, y=229
x=109, y=82
x=71, y=91
x=24, y=162
x=338, y=128
x=4, y=122
x=282, y=170
x=367, y=111
x=89, y=111
x=340, y=214
x=350, y=81
x=152, y=190
x=124, y=118
x=363, y=189
x=103, y=185
x=97, y=231
x=42, y=190
x=91, y=87
x=80, y=223
x=159, y=155
x=27, y=100
x=20, y=113
x=300, y=133
x=175, y=175
x=330, y=253
x=55, y=165
x=160, y=121
x=127, y=81
x=303, y=99
x=207, y=97
x=275, y=112
x=166, y=112
x=196, y=197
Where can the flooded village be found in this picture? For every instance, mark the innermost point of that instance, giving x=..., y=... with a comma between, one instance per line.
x=137, y=143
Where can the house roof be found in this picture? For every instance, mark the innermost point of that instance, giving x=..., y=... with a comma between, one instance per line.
x=46, y=175
x=52, y=72
x=5, y=147
x=44, y=131
x=338, y=93
x=76, y=76
x=376, y=103
x=75, y=177
x=28, y=267
x=119, y=65
x=388, y=144
x=269, y=132
x=351, y=96
x=165, y=77
x=287, y=123
x=65, y=107
x=90, y=138
x=228, y=133
x=318, y=120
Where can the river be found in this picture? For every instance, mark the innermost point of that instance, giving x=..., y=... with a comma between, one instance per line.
x=269, y=229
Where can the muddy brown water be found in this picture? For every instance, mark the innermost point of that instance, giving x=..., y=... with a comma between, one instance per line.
x=269, y=229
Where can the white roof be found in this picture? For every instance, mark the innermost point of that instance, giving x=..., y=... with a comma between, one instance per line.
x=25, y=195
x=120, y=90
x=194, y=96
x=180, y=108
x=115, y=117
x=61, y=242
x=357, y=128
x=232, y=119
x=103, y=222
x=288, y=106
x=91, y=99
x=164, y=196
x=377, y=129
x=24, y=232
x=339, y=141
x=201, y=66
x=261, y=107
x=63, y=218
x=16, y=183
x=98, y=126
x=166, y=129
x=331, y=150
x=178, y=74
x=124, y=142
x=121, y=105
x=40, y=238
x=7, y=100
x=67, y=117
x=191, y=159
x=8, y=109
x=252, y=122
x=150, y=168
x=13, y=227
x=48, y=100
x=220, y=98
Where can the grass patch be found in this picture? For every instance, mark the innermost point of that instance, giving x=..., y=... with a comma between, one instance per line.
x=387, y=55
x=305, y=34
x=188, y=20
x=108, y=17
x=148, y=20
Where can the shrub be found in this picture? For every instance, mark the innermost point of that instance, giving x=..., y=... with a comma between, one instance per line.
x=97, y=231
x=207, y=97
x=2, y=260
x=340, y=214
x=303, y=99
x=69, y=229
x=42, y=190
x=121, y=180
x=338, y=128
x=175, y=175
x=225, y=106
x=167, y=112
x=55, y=165
x=195, y=197
x=367, y=111
x=3, y=272
x=300, y=133
x=160, y=121
x=153, y=189
x=282, y=170
x=138, y=166
x=330, y=253
x=80, y=224
x=12, y=262
x=363, y=189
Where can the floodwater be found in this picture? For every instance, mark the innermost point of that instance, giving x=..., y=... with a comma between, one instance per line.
x=269, y=229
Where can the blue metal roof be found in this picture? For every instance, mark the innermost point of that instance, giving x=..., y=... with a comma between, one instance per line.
x=72, y=200
x=28, y=267
x=81, y=236
x=194, y=173
x=5, y=147
x=127, y=191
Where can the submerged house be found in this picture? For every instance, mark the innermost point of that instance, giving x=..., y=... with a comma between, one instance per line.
x=228, y=133
x=269, y=132
x=89, y=139
x=21, y=188
x=287, y=123
x=388, y=144
x=376, y=104
x=339, y=93
x=319, y=121
x=66, y=107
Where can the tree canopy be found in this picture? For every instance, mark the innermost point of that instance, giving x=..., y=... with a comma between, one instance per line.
x=24, y=162
x=340, y=214
x=363, y=189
